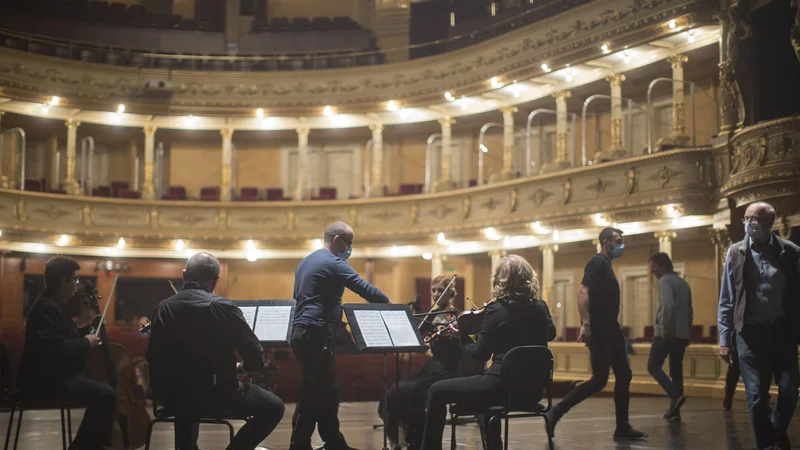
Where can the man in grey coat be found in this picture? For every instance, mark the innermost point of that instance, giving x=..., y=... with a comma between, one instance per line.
x=671, y=331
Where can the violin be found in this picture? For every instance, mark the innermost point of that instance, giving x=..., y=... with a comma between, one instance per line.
x=112, y=364
x=470, y=322
x=443, y=329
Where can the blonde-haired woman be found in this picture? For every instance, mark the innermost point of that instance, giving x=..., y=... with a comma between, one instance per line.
x=514, y=319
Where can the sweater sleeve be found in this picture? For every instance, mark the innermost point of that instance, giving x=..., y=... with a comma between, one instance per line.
x=360, y=286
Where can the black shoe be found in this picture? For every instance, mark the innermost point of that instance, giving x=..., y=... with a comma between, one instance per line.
x=338, y=447
x=552, y=420
x=675, y=407
x=628, y=434
x=782, y=442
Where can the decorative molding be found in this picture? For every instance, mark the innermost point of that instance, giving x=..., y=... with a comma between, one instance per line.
x=664, y=175
x=538, y=197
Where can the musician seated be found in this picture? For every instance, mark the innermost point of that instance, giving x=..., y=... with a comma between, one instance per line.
x=448, y=360
x=53, y=365
x=194, y=339
x=516, y=318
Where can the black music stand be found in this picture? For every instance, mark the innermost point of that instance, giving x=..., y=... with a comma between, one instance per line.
x=271, y=320
x=384, y=329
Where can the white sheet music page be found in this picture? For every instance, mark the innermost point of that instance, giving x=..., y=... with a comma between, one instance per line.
x=400, y=329
x=249, y=315
x=372, y=328
x=272, y=322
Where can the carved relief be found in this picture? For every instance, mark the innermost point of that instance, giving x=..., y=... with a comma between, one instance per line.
x=155, y=219
x=222, y=219
x=538, y=197
x=441, y=211
x=599, y=186
x=665, y=175
x=19, y=210
x=466, y=207
x=566, y=191
x=490, y=205
x=630, y=181
x=512, y=201
x=384, y=216
x=783, y=147
x=52, y=212
x=413, y=213
x=291, y=219
x=257, y=221
x=120, y=215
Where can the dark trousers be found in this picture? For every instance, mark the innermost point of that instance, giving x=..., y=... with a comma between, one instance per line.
x=318, y=404
x=659, y=350
x=100, y=400
x=732, y=376
x=475, y=392
x=764, y=352
x=606, y=351
x=264, y=408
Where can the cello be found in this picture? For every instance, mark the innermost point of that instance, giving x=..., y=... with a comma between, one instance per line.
x=112, y=364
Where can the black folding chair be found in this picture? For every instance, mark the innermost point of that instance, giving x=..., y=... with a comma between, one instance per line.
x=17, y=401
x=526, y=372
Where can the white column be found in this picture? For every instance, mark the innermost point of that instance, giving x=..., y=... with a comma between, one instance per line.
x=376, y=176
x=548, y=271
x=70, y=183
x=679, y=137
x=446, y=182
x=508, y=172
x=301, y=191
x=562, y=129
x=665, y=241
x=227, y=158
x=148, y=189
x=437, y=265
x=616, y=150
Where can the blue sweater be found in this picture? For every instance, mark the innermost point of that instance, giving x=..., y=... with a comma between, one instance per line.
x=319, y=283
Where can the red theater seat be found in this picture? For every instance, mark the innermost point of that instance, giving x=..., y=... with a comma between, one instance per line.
x=209, y=193
x=249, y=194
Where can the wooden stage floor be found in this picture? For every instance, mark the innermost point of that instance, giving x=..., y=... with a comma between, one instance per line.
x=589, y=426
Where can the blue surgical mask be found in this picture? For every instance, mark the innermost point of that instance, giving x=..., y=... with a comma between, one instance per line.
x=346, y=253
x=755, y=231
x=617, y=251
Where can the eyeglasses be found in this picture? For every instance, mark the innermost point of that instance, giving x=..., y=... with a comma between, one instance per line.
x=75, y=279
x=342, y=238
x=752, y=219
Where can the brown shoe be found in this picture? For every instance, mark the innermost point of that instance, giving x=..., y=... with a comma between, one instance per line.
x=727, y=401
x=782, y=442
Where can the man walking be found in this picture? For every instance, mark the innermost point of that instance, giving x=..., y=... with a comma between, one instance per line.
x=671, y=334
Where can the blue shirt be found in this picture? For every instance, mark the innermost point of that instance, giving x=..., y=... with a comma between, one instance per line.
x=319, y=283
x=764, y=283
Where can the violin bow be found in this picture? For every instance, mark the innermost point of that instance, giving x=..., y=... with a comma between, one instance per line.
x=445, y=292
x=105, y=309
x=172, y=286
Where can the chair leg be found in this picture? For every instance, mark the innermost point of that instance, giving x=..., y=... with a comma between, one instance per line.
x=453, y=420
x=10, y=422
x=230, y=429
x=19, y=425
x=547, y=431
x=63, y=428
x=69, y=425
x=482, y=429
x=505, y=438
x=149, y=434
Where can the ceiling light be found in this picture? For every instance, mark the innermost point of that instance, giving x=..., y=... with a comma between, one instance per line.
x=691, y=36
x=495, y=82
x=54, y=100
x=40, y=247
x=627, y=56
x=120, y=108
x=484, y=148
x=260, y=113
x=45, y=108
x=252, y=255
x=63, y=240
x=427, y=256
x=491, y=234
x=449, y=96
x=600, y=220
x=404, y=113
x=116, y=118
x=250, y=245
x=555, y=235
x=558, y=305
x=189, y=121
x=328, y=111
x=316, y=244
x=121, y=243
x=189, y=252
x=391, y=105
x=545, y=67
x=1, y=232
x=180, y=245
x=605, y=48
x=538, y=228
x=672, y=25
x=441, y=237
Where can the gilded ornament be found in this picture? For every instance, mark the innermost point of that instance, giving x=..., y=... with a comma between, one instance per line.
x=566, y=191
x=155, y=218
x=599, y=186
x=413, y=213
x=512, y=201
x=20, y=211
x=257, y=221
x=384, y=216
x=87, y=215
x=538, y=197
x=665, y=175
x=54, y=213
x=630, y=181
x=490, y=204
x=291, y=219
x=466, y=207
x=222, y=219
x=441, y=211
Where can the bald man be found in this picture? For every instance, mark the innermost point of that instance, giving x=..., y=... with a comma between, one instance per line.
x=758, y=322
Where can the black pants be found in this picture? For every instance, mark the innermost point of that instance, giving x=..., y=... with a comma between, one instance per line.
x=475, y=392
x=318, y=404
x=659, y=350
x=100, y=400
x=606, y=351
x=265, y=408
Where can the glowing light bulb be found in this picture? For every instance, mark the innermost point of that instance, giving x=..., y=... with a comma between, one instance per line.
x=121, y=243
x=180, y=245
x=672, y=24
x=391, y=105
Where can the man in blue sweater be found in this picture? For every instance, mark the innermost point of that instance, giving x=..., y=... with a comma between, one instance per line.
x=319, y=283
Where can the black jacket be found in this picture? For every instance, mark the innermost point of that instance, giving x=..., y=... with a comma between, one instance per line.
x=507, y=326
x=194, y=339
x=54, y=352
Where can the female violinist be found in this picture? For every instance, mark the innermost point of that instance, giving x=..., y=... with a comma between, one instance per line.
x=447, y=361
x=54, y=360
x=515, y=318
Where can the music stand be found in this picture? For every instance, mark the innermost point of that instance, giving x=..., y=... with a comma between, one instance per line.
x=270, y=320
x=384, y=329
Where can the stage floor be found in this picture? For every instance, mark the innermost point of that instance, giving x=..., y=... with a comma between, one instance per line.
x=589, y=426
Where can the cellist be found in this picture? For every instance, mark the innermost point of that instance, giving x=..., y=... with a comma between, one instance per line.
x=53, y=365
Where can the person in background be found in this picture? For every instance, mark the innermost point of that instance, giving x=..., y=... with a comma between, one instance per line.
x=671, y=331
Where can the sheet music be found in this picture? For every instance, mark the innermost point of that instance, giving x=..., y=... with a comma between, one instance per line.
x=249, y=315
x=372, y=328
x=400, y=329
x=272, y=323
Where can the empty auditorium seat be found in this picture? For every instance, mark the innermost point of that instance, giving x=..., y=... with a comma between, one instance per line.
x=127, y=193
x=248, y=194
x=275, y=194
x=117, y=186
x=571, y=334
x=209, y=193
x=101, y=191
x=648, y=333
x=696, y=333
x=35, y=185
x=326, y=193
x=175, y=193
x=321, y=24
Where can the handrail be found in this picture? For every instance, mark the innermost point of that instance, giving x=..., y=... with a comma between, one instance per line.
x=482, y=148
x=586, y=102
x=22, y=160
x=87, y=161
x=531, y=116
x=428, y=145
x=649, y=111
x=511, y=23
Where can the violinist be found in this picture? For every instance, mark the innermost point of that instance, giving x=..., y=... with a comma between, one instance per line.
x=448, y=360
x=515, y=318
x=53, y=365
x=194, y=339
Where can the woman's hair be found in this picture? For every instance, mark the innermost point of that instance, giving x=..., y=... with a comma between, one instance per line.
x=514, y=280
x=442, y=280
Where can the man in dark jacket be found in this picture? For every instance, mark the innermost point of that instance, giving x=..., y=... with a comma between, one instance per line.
x=55, y=355
x=758, y=317
x=194, y=339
